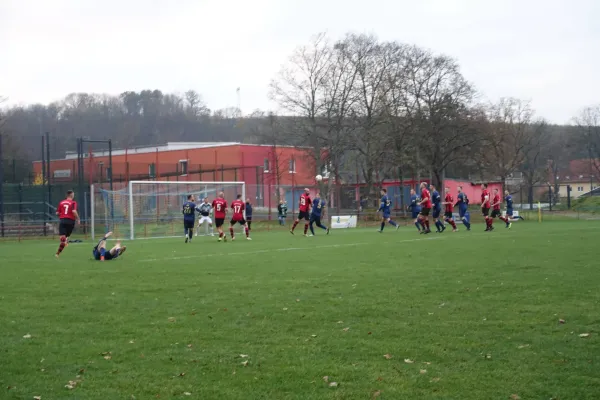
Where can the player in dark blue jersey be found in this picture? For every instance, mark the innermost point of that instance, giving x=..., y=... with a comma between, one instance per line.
x=386, y=209
x=415, y=209
x=318, y=208
x=249, y=214
x=436, y=199
x=189, y=217
x=101, y=254
x=510, y=210
x=462, y=203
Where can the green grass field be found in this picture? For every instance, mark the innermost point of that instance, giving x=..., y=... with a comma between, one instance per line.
x=469, y=315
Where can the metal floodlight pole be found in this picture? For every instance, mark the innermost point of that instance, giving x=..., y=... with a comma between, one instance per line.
x=1, y=189
x=48, y=175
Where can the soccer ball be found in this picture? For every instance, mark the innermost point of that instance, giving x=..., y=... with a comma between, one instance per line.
x=319, y=178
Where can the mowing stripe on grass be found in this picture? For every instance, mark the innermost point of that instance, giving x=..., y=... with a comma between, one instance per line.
x=329, y=246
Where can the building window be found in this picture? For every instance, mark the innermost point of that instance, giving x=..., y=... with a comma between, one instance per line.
x=580, y=188
x=183, y=167
x=266, y=165
x=292, y=167
x=152, y=170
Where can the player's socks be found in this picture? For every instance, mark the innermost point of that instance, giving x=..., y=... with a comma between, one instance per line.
x=393, y=223
x=62, y=245
x=231, y=233
x=305, y=228
x=102, y=253
x=312, y=230
x=418, y=225
x=382, y=226
x=190, y=233
x=439, y=226
x=323, y=227
x=247, y=230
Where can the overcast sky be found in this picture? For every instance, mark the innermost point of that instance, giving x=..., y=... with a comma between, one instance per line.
x=544, y=51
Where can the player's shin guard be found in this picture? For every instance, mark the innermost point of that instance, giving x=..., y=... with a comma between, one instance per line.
x=451, y=222
x=61, y=246
x=247, y=230
x=231, y=232
x=305, y=228
x=295, y=225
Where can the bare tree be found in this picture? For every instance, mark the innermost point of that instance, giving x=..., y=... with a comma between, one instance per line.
x=535, y=168
x=508, y=135
x=298, y=90
x=588, y=124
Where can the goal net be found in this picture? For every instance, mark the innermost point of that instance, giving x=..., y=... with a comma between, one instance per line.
x=153, y=209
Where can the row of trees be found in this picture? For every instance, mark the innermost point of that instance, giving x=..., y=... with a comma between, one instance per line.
x=392, y=110
x=367, y=109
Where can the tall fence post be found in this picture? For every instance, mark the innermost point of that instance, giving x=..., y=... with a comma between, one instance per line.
x=49, y=209
x=44, y=177
x=1, y=188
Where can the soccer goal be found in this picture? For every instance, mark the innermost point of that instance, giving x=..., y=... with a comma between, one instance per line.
x=152, y=209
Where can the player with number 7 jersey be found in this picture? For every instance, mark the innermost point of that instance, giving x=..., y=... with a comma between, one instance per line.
x=68, y=216
x=219, y=205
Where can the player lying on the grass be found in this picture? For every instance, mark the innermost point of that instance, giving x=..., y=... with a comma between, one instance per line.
x=385, y=208
x=238, y=217
x=425, y=207
x=449, y=209
x=205, y=209
x=415, y=209
x=303, y=214
x=189, y=217
x=219, y=205
x=101, y=254
x=282, y=212
x=68, y=216
x=436, y=200
x=462, y=203
x=315, y=216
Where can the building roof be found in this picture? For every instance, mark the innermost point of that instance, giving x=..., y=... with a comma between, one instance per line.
x=170, y=146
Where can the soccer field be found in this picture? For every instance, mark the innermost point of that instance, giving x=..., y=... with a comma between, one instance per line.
x=467, y=315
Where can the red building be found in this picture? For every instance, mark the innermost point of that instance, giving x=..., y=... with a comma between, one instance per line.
x=260, y=166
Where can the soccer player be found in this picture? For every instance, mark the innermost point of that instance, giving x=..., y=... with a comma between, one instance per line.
x=220, y=206
x=425, y=207
x=509, y=209
x=436, y=199
x=415, y=209
x=304, y=207
x=68, y=216
x=463, y=206
x=384, y=208
x=100, y=254
x=449, y=208
x=485, y=206
x=315, y=216
x=249, y=214
x=238, y=217
x=282, y=209
x=204, y=209
x=189, y=217
x=496, y=202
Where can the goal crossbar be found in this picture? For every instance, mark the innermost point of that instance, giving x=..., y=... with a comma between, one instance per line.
x=175, y=183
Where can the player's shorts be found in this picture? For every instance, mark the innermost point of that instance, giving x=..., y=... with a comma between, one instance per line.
x=386, y=215
x=315, y=219
x=107, y=255
x=188, y=224
x=448, y=215
x=415, y=214
x=238, y=221
x=303, y=215
x=65, y=227
x=204, y=219
x=462, y=213
x=425, y=212
x=485, y=211
x=437, y=212
x=496, y=213
x=248, y=218
x=219, y=222
x=509, y=212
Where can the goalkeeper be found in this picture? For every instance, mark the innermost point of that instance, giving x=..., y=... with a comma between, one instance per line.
x=101, y=254
x=205, y=209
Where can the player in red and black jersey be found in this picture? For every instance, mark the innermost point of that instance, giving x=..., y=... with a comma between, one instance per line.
x=496, y=203
x=449, y=209
x=219, y=206
x=304, y=211
x=238, y=206
x=485, y=206
x=68, y=217
x=425, y=207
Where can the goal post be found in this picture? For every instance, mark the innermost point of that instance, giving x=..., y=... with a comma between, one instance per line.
x=152, y=209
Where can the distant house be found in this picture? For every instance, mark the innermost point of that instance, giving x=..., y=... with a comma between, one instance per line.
x=581, y=176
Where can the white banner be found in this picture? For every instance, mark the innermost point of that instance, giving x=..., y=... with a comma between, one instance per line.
x=343, y=221
x=62, y=173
